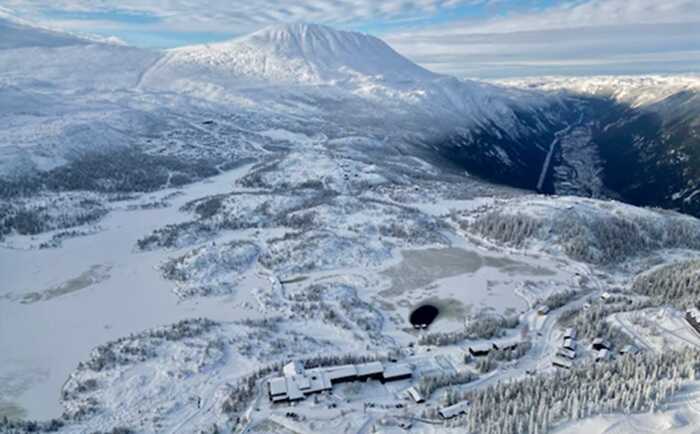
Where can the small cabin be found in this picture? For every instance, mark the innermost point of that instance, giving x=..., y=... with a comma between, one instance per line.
x=600, y=344
x=560, y=362
x=454, y=410
x=566, y=353
x=480, y=350
x=415, y=395
x=570, y=333
x=629, y=349
x=602, y=355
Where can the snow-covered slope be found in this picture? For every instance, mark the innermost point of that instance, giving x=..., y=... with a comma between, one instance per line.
x=17, y=33
x=63, y=95
x=302, y=53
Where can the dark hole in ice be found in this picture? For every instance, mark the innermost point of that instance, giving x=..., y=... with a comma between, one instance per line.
x=423, y=316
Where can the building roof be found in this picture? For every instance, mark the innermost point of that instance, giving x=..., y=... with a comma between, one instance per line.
x=301, y=381
x=278, y=386
x=415, y=394
x=318, y=381
x=562, y=362
x=565, y=352
x=570, y=333
x=507, y=343
x=629, y=349
x=293, y=368
x=454, y=410
x=600, y=342
x=371, y=368
x=341, y=372
x=293, y=391
x=483, y=347
x=570, y=343
x=397, y=370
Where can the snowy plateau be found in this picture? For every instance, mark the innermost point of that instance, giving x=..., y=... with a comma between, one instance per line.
x=176, y=227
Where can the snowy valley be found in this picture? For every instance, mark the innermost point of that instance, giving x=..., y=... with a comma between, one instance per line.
x=177, y=227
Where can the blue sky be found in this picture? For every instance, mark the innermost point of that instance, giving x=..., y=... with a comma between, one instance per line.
x=481, y=38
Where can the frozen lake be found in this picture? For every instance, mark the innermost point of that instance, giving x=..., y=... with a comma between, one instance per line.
x=58, y=304
x=463, y=280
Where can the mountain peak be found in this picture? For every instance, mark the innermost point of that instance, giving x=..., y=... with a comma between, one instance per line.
x=303, y=52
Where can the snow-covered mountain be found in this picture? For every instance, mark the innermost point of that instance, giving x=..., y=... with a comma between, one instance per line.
x=300, y=53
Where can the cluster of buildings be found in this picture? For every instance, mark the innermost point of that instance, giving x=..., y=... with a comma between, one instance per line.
x=567, y=352
x=296, y=383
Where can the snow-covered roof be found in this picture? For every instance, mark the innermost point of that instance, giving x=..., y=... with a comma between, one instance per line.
x=341, y=372
x=415, y=394
x=397, y=370
x=562, y=362
x=293, y=368
x=629, y=349
x=483, y=347
x=293, y=391
x=318, y=381
x=570, y=333
x=565, y=352
x=278, y=386
x=302, y=381
x=570, y=343
x=454, y=410
x=507, y=342
x=371, y=368
x=600, y=342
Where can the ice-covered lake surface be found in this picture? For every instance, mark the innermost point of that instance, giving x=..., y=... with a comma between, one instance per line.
x=465, y=279
x=42, y=342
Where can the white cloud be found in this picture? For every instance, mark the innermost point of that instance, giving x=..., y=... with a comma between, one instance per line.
x=240, y=16
x=595, y=36
x=574, y=36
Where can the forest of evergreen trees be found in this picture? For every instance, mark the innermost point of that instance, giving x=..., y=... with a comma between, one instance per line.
x=677, y=284
x=600, y=239
x=631, y=384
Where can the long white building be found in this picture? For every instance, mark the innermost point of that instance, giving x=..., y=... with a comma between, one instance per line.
x=297, y=383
